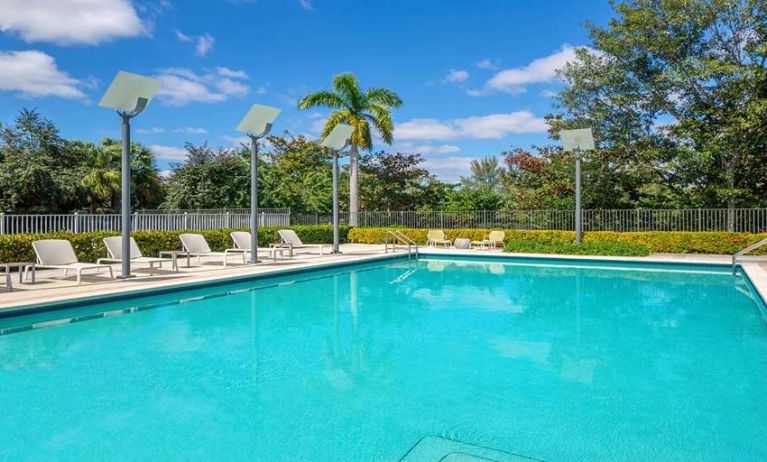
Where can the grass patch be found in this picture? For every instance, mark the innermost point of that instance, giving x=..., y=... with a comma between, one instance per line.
x=608, y=248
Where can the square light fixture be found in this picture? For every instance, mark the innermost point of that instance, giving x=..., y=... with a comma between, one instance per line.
x=129, y=92
x=258, y=120
x=338, y=137
x=580, y=139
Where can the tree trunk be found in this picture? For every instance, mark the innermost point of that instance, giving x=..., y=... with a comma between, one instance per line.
x=353, y=185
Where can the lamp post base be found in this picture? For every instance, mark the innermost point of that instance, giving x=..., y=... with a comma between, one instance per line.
x=130, y=276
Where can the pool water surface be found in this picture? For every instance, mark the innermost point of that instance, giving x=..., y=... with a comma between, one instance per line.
x=551, y=360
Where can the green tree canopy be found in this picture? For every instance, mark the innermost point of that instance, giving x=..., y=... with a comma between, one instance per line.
x=676, y=92
x=209, y=178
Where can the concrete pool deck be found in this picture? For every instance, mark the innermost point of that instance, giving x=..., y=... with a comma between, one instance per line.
x=52, y=287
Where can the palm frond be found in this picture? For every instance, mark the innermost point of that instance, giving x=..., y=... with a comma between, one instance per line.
x=381, y=118
x=322, y=98
x=383, y=96
x=361, y=134
x=348, y=87
x=337, y=117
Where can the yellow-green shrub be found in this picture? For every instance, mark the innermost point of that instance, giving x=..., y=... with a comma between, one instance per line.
x=90, y=247
x=655, y=241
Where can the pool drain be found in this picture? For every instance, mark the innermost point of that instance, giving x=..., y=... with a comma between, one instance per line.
x=436, y=449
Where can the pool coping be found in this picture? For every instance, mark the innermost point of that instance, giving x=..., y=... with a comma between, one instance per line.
x=754, y=272
x=112, y=293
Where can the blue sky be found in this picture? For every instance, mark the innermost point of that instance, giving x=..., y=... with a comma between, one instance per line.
x=475, y=76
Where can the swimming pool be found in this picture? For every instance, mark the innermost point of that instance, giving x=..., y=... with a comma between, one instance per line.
x=435, y=359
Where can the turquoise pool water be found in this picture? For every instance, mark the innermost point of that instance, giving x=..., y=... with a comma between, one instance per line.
x=549, y=360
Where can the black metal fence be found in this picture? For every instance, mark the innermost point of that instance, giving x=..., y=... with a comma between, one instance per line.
x=738, y=220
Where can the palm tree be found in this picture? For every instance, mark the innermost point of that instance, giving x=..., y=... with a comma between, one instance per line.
x=103, y=178
x=360, y=109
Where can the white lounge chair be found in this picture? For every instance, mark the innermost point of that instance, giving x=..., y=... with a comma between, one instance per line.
x=435, y=237
x=114, y=249
x=197, y=246
x=494, y=240
x=289, y=239
x=59, y=254
x=241, y=241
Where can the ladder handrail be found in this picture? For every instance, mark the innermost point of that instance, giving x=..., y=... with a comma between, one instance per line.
x=748, y=249
x=400, y=236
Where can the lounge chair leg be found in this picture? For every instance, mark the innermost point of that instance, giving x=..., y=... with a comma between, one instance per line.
x=79, y=275
x=111, y=274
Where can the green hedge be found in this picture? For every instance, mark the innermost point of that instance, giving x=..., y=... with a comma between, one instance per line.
x=655, y=241
x=614, y=248
x=90, y=247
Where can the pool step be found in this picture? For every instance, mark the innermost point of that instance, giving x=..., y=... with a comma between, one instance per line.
x=436, y=449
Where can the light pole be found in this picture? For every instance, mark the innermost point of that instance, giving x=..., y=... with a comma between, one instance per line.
x=336, y=141
x=128, y=94
x=577, y=141
x=257, y=123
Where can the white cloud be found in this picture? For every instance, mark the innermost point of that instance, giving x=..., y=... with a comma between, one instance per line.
x=488, y=126
x=191, y=131
x=477, y=92
x=168, y=152
x=34, y=74
x=150, y=131
x=182, y=86
x=424, y=129
x=488, y=64
x=183, y=37
x=67, y=22
x=499, y=125
x=160, y=130
x=306, y=4
x=548, y=93
x=537, y=71
x=232, y=74
x=204, y=44
x=165, y=173
x=456, y=76
x=426, y=148
x=448, y=168
x=237, y=141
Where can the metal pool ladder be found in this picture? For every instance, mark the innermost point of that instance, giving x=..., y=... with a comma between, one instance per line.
x=398, y=236
x=745, y=251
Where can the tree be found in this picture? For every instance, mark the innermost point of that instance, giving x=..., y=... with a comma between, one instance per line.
x=102, y=179
x=677, y=94
x=360, y=109
x=36, y=169
x=210, y=178
x=482, y=189
x=297, y=174
x=395, y=181
x=147, y=188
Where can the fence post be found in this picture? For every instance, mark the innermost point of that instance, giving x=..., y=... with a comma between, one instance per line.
x=228, y=220
x=186, y=220
x=76, y=224
x=135, y=221
x=2, y=222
